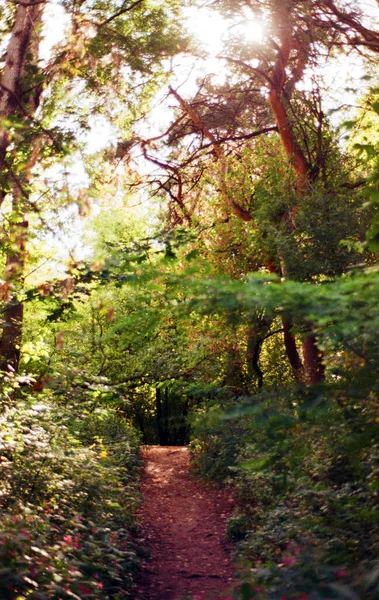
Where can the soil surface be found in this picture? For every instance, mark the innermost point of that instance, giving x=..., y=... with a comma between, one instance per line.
x=183, y=527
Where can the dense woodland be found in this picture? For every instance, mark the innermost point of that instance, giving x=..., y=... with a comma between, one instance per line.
x=222, y=292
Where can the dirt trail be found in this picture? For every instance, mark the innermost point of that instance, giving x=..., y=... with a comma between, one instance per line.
x=183, y=527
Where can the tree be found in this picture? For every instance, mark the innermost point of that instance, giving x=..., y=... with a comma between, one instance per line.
x=100, y=47
x=21, y=92
x=296, y=37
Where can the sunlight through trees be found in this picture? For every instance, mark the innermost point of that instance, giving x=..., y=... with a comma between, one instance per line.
x=189, y=238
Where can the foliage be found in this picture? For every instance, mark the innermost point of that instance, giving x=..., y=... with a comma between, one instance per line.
x=306, y=578
x=173, y=321
x=68, y=498
x=304, y=461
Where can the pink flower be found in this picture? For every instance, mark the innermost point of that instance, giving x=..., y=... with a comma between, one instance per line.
x=342, y=573
x=67, y=539
x=26, y=533
x=84, y=589
x=32, y=570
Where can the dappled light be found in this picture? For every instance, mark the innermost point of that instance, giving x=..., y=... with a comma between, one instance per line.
x=189, y=300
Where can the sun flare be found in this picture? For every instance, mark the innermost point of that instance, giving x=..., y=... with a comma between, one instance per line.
x=212, y=30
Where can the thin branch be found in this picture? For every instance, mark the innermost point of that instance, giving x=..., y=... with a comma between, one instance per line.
x=370, y=37
x=265, y=337
x=124, y=9
x=246, y=136
x=248, y=67
x=353, y=184
x=159, y=137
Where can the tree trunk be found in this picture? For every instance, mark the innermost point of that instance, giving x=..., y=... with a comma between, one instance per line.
x=11, y=335
x=291, y=350
x=28, y=16
x=13, y=311
x=313, y=370
x=161, y=417
x=22, y=50
x=258, y=332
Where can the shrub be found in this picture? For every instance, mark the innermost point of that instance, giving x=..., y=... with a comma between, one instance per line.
x=305, y=474
x=68, y=502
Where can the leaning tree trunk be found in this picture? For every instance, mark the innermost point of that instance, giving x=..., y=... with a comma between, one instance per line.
x=16, y=101
x=28, y=16
x=312, y=356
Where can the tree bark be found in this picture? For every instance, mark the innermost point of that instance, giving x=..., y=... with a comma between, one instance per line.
x=162, y=420
x=314, y=368
x=313, y=371
x=28, y=16
x=22, y=50
x=13, y=312
x=291, y=351
x=11, y=335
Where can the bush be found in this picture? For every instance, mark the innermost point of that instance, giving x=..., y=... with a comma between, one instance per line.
x=305, y=473
x=68, y=496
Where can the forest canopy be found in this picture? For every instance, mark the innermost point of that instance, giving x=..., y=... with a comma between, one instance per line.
x=189, y=238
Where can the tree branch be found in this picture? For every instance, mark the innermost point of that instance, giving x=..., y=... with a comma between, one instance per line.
x=248, y=67
x=124, y=9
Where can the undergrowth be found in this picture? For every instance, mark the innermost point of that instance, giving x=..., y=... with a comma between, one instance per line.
x=305, y=471
x=68, y=496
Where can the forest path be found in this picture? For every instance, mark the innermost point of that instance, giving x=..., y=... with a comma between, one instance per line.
x=183, y=526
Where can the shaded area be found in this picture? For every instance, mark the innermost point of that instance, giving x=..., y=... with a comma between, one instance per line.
x=183, y=527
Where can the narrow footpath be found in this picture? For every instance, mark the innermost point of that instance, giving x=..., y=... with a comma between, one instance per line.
x=183, y=528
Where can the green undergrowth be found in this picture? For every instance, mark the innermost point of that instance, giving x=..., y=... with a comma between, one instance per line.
x=304, y=466
x=68, y=496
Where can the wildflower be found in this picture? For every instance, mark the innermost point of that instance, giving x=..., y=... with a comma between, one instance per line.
x=341, y=573
x=76, y=542
x=67, y=539
x=84, y=589
x=32, y=570
x=26, y=533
